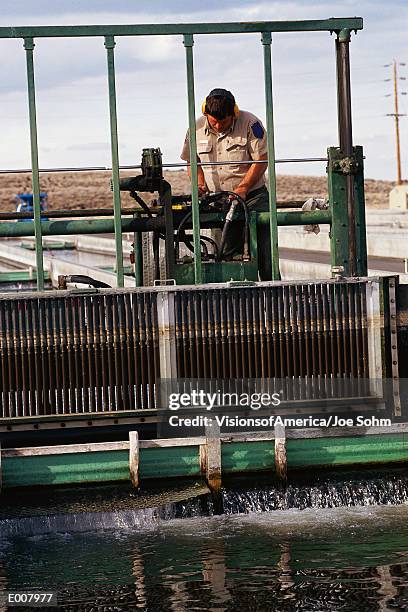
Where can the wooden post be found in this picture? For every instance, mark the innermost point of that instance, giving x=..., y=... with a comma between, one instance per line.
x=280, y=452
x=210, y=459
x=213, y=457
x=134, y=457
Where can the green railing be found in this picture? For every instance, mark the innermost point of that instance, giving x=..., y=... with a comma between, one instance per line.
x=342, y=29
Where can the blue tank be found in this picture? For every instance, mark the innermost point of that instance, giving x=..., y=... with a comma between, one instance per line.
x=25, y=203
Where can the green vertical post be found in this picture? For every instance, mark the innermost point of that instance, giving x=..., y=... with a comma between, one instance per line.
x=337, y=188
x=188, y=43
x=360, y=216
x=29, y=48
x=110, y=45
x=266, y=41
x=339, y=170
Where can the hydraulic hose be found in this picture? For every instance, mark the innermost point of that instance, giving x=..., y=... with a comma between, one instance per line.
x=211, y=198
x=186, y=238
x=228, y=221
x=85, y=280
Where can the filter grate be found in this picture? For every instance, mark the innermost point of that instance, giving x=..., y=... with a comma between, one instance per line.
x=79, y=354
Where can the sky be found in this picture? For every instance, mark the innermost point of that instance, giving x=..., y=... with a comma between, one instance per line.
x=72, y=94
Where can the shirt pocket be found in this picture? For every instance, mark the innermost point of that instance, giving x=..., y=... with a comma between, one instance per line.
x=236, y=150
x=204, y=150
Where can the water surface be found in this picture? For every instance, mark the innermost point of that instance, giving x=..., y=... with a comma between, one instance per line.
x=313, y=559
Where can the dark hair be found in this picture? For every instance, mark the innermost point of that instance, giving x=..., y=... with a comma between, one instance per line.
x=220, y=104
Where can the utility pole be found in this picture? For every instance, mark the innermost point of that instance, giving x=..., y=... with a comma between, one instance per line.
x=396, y=114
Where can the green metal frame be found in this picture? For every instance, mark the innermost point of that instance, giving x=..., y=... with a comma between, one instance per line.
x=150, y=29
x=67, y=227
x=110, y=45
x=342, y=27
x=29, y=48
x=338, y=169
x=17, y=276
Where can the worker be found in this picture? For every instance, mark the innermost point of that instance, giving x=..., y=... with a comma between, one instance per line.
x=225, y=133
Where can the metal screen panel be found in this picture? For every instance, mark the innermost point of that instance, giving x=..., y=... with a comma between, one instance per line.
x=302, y=330
x=78, y=354
x=103, y=352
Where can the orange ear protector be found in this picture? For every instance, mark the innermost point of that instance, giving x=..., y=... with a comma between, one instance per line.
x=221, y=93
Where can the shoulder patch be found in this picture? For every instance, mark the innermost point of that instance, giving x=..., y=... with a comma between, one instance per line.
x=257, y=130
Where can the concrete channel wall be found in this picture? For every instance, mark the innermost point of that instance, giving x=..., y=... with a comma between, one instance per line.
x=55, y=265
x=387, y=233
x=387, y=236
x=381, y=241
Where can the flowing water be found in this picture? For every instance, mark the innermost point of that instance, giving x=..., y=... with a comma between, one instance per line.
x=324, y=543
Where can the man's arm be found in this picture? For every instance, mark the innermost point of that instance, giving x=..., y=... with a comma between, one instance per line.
x=202, y=187
x=252, y=177
x=185, y=155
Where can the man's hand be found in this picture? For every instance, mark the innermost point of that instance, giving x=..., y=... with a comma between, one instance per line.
x=202, y=189
x=242, y=191
x=252, y=177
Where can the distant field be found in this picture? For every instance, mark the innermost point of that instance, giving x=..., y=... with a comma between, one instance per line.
x=92, y=189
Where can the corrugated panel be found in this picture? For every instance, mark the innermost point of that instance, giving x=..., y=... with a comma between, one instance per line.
x=247, y=456
x=169, y=462
x=282, y=331
x=320, y=452
x=98, y=353
x=64, y=469
x=78, y=354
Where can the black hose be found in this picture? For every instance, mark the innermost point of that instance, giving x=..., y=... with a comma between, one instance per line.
x=180, y=227
x=212, y=242
x=145, y=207
x=86, y=280
x=203, y=239
x=141, y=202
x=228, y=222
x=206, y=200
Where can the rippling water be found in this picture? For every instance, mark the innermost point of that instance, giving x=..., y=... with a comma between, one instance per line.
x=312, y=559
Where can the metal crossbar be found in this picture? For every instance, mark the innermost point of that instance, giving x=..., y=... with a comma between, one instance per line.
x=149, y=29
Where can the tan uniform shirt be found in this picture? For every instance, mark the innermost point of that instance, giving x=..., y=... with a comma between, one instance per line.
x=244, y=141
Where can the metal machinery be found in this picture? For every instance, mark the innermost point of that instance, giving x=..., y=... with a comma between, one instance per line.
x=171, y=215
x=87, y=364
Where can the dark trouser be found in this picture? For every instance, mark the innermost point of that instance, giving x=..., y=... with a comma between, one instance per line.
x=258, y=201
